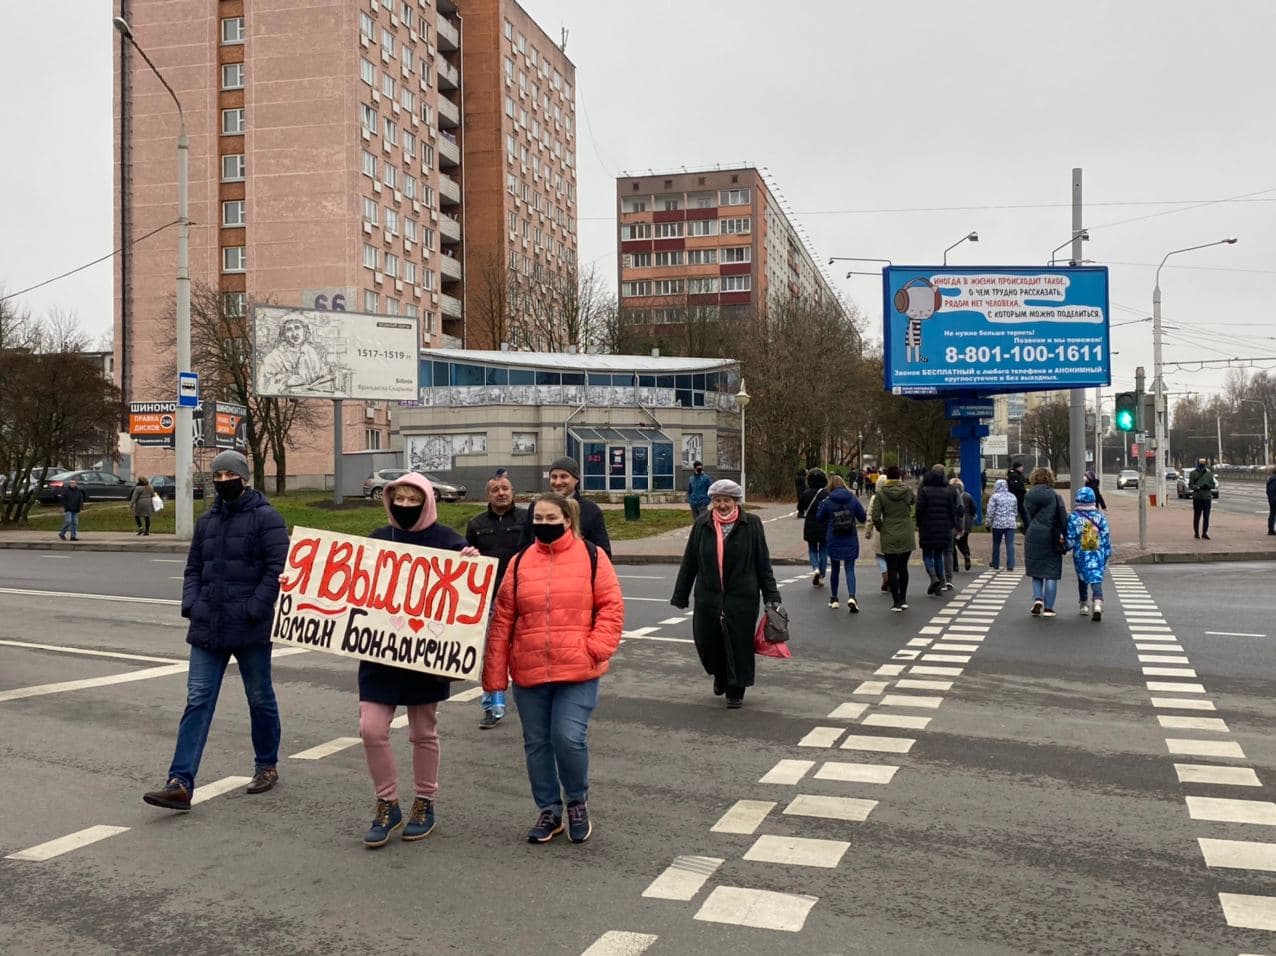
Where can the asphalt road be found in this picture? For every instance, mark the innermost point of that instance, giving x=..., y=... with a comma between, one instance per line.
x=1037, y=809
x=1236, y=496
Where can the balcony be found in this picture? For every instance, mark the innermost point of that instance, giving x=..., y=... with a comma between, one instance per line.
x=449, y=114
x=450, y=268
x=449, y=151
x=451, y=341
x=449, y=76
x=449, y=190
x=449, y=228
x=449, y=37
x=450, y=305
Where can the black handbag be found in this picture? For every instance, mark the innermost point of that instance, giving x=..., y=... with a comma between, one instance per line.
x=1060, y=527
x=776, y=626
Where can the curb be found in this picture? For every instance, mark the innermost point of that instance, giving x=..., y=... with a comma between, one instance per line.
x=90, y=545
x=1198, y=557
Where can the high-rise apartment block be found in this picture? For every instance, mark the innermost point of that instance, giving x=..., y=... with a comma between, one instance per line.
x=359, y=155
x=711, y=238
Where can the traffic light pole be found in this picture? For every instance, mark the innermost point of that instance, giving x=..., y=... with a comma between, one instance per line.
x=1143, y=485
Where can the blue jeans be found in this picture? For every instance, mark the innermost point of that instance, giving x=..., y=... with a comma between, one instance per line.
x=1045, y=589
x=203, y=685
x=933, y=562
x=555, y=727
x=850, y=577
x=1096, y=590
x=495, y=702
x=1007, y=535
x=71, y=520
x=819, y=557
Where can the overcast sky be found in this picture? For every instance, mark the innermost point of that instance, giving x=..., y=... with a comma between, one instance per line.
x=892, y=128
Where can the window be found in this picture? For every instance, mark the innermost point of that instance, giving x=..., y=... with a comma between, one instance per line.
x=668, y=230
x=369, y=301
x=233, y=259
x=409, y=272
x=669, y=258
x=233, y=168
x=509, y=107
x=408, y=13
x=635, y=205
x=669, y=286
x=427, y=197
x=234, y=304
x=702, y=257
x=672, y=204
x=233, y=30
x=427, y=279
x=409, y=144
x=409, y=230
x=390, y=176
x=391, y=132
x=367, y=72
x=640, y=260
x=702, y=286
x=427, y=237
x=509, y=68
x=409, y=186
x=371, y=211
x=509, y=30
x=368, y=117
x=733, y=197
x=387, y=42
x=233, y=212
x=737, y=254
x=371, y=439
x=734, y=227
x=522, y=43
x=233, y=76
x=232, y=122
x=408, y=100
x=635, y=288
x=391, y=221
x=407, y=58
x=427, y=157
x=427, y=114
x=737, y=283
x=369, y=164
x=366, y=27
x=392, y=265
x=510, y=149
x=369, y=256
x=391, y=306
x=702, y=227
x=387, y=86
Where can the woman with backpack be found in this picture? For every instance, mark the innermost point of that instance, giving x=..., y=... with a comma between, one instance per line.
x=1091, y=545
x=891, y=513
x=812, y=527
x=936, y=524
x=839, y=513
x=1044, y=540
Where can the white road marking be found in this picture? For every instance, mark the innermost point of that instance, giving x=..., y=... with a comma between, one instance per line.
x=642, y=577
x=905, y=655
x=948, y=646
x=1175, y=686
x=1162, y=659
x=90, y=652
x=72, y=841
x=931, y=630
x=1182, y=703
x=1141, y=636
x=745, y=816
x=115, y=598
x=920, y=642
x=912, y=700
x=907, y=684
x=1150, y=629
x=1224, y=810
x=40, y=690
x=56, y=557
x=1169, y=672
x=947, y=658
x=617, y=943
x=935, y=671
x=208, y=791
x=830, y=808
x=1169, y=646
x=639, y=632
x=657, y=637
x=1233, y=634
x=903, y=721
x=1249, y=912
x=651, y=600
x=474, y=693
x=398, y=722
x=872, y=687
x=848, y=711
x=683, y=878
x=887, y=745
x=822, y=737
x=671, y=620
x=971, y=628
x=759, y=909
x=1224, y=776
x=1214, y=724
x=787, y=772
x=856, y=772
x=1239, y=854
x=889, y=670
x=1205, y=748
x=168, y=560
x=327, y=749
x=797, y=851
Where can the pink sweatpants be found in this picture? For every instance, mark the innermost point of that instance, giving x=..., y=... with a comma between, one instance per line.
x=423, y=731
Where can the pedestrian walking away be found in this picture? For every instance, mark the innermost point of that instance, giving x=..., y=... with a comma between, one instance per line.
x=497, y=533
x=558, y=621
x=812, y=529
x=1091, y=544
x=1092, y=482
x=878, y=557
x=1045, y=532
x=1201, y=484
x=1001, y=516
x=841, y=514
x=698, y=489
x=1271, y=501
x=564, y=479
x=937, y=523
x=961, y=542
x=1018, y=486
x=728, y=565
x=799, y=489
x=891, y=514
x=237, y=553
x=141, y=506
x=73, y=501
x=413, y=519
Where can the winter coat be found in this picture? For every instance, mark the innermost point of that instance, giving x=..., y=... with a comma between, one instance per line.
x=497, y=536
x=698, y=489
x=237, y=553
x=1201, y=483
x=936, y=512
x=892, y=517
x=1271, y=491
x=1040, y=558
x=1003, y=508
x=726, y=612
x=842, y=547
x=592, y=526
x=967, y=521
x=1090, y=565
x=73, y=499
x=1017, y=485
x=553, y=624
x=398, y=686
x=809, y=506
x=140, y=504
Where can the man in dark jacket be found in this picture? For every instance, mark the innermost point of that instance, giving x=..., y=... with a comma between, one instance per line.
x=1271, y=502
x=564, y=479
x=812, y=529
x=1092, y=482
x=238, y=551
x=698, y=490
x=73, y=499
x=497, y=533
x=938, y=517
x=1200, y=483
x=1017, y=485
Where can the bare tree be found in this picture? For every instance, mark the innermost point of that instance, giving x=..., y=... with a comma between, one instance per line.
x=490, y=301
x=1047, y=427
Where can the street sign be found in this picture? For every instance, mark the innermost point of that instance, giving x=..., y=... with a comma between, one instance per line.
x=997, y=445
x=959, y=408
x=187, y=390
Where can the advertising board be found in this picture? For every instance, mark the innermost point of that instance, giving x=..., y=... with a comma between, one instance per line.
x=152, y=424
x=991, y=329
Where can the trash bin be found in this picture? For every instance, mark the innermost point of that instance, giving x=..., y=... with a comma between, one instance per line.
x=1151, y=500
x=631, y=508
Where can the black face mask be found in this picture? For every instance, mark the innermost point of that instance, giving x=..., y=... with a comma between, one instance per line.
x=548, y=533
x=406, y=516
x=230, y=489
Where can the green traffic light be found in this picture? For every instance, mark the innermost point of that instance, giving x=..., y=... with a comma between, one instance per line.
x=1125, y=420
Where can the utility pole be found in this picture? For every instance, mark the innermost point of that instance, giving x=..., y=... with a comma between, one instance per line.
x=1142, y=457
x=1076, y=413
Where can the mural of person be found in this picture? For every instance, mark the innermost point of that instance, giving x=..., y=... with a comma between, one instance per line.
x=919, y=300
x=294, y=364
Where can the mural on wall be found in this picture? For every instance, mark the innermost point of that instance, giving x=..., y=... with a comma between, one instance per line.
x=692, y=449
x=600, y=396
x=436, y=452
x=729, y=452
x=523, y=443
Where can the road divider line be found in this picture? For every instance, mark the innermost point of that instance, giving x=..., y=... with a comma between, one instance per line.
x=90, y=652
x=116, y=598
x=62, y=687
x=209, y=791
x=65, y=844
x=326, y=749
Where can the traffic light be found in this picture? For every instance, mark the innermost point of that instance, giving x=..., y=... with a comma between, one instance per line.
x=1127, y=416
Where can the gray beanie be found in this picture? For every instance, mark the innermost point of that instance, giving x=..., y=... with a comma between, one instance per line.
x=569, y=465
x=725, y=486
x=230, y=461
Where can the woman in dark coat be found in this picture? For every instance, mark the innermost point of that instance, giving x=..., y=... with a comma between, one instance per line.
x=728, y=563
x=1046, y=517
x=813, y=528
x=839, y=514
x=937, y=521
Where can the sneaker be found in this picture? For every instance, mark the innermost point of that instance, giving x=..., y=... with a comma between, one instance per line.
x=420, y=820
x=897, y=608
x=966, y=558
x=548, y=825
x=852, y=605
x=62, y=535
x=1037, y=607
x=1098, y=611
x=834, y=604
x=264, y=779
x=578, y=826
x=174, y=796
x=388, y=818
x=1084, y=610
x=489, y=720
x=816, y=580
x=903, y=606
x=1048, y=612
x=948, y=585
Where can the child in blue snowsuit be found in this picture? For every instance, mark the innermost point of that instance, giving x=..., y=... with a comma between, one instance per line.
x=1091, y=546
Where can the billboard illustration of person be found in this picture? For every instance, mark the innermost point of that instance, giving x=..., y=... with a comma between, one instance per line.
x=919, y=300
x=294, y=364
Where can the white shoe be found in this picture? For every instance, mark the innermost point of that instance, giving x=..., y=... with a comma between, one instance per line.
x=852, y=605
x=1084, y=610
x=1098, y=611
x=833, y=604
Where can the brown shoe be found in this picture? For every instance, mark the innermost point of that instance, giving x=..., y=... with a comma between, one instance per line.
x=174, y=796
x=263, y=780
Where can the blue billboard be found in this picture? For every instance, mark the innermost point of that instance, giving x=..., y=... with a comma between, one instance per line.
x=990, y=329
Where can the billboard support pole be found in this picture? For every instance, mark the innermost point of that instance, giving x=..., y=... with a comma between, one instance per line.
x=336, y=451
x=1076, y=411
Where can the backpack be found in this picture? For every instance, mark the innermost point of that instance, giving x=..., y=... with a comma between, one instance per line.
x=1089, y=535
x=593, y=568
x=843, y=522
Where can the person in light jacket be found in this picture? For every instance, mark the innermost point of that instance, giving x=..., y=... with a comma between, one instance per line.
x=1001, y=516
x=141, y=506
x=558, y=620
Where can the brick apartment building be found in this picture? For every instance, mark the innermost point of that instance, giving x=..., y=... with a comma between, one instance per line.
x=713, y=239
x=371, y=151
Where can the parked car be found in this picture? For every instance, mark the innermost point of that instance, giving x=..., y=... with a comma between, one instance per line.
x=166, y=487
x=1184, y=492
x=444, y=490
x=96, y=485
x=1127, y=479
x=1171, y=475
x=375, y=484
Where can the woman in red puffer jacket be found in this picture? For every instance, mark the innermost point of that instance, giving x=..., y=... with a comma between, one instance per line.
x=558, y=619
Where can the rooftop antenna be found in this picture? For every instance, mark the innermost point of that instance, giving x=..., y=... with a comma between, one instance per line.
x=563, y=46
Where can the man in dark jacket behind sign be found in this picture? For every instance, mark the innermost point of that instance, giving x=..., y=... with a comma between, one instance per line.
x=238, y=551
x=73, y=499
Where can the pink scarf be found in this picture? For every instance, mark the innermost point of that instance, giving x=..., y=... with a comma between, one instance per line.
x=718, y=522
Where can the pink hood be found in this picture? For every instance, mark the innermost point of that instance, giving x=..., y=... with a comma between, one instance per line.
x=429, y=514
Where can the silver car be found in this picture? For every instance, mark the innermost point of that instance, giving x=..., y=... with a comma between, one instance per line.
x=1127, y=479
x=374, y=485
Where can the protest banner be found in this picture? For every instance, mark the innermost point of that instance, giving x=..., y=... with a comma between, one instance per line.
x=422, y=609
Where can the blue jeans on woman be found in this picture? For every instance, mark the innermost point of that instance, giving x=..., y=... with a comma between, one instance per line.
x=1007, y=535
x=933, y=562
x=1044, y=590
x=203, y=685
x=555, y=728
x=818, y=555
x=850, y=577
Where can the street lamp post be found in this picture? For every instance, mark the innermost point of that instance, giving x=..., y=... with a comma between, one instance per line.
x=183, y=439
x=1267, y=442
x=742, y=402
x=1158, y=377
x=1083, y=235
x=971, y=236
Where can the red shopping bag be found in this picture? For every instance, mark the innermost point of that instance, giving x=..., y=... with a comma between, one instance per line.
x=764, y=647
